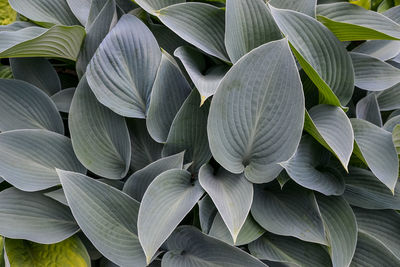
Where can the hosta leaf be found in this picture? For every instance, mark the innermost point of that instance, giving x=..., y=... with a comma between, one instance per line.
x=371, y=253
x=70, y=252
x=206, y=79
x=63, y=99
x=34, y=217
x=152, y=6
x=188, y=132
x=304, y=6
x=231, y=193
x=24, y=106
x=58, y=195
x=122, y=71
x=165, y=203
x=373, y=74
x=340, y=227
x=381, y=49
x=100, y=137
x=144, y=149
x=5, y=72
x=381, y=225
x=188, y=247
x=50, y=11
x=309, y=169
x=170, y=90
x=111, y=226
x=396, y=138
x=249, y=232
x=166, y=38
x=255, y=139
x=368, y=109
x=364, y=190
x=389, y=99
x=290, y=212
x=58, y=42
x=207, y=214
x=320, y=54
x=377, y=150
x=29, y=158
x=200, y=24
x=38, y=72
x=249, y=24
x=289, y=250
x=137, y=183
x=391, y=123
x=103, y=12
x=350, y=23
x=330, y=126
x=80, y=9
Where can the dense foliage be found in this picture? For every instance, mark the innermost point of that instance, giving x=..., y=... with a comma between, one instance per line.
x=199, y=133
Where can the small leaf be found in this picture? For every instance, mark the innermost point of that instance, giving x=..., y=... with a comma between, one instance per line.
x=107, y=207
x=100, y=138
x=63, y=99
x=290, y=212
x=29, y=158
x=122, y=71
x=34, y=217
x=70, y=252
x=368, y=109
x=165, y=203
x=255, y=139
x=24, y=106
x=232, y=194
x=188, y=247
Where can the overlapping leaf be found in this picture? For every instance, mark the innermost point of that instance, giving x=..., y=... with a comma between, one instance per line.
x=368, y=109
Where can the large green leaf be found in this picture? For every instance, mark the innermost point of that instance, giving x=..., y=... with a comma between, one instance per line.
x=340, y=227
x=389, y=99
x=188, y=247
x=47, y=11
x=100, y=138
x=249, y=232
x=375, y=147
x=170, y=90
x=249, y=24
x=292, y=211
x=24, y=106
x=200, y=24
x=165, y=203
x=310, y=168
x=364, y=190
x=206, y=79
x=38, y=72
x=100, y=20
x=321, y=55
x=368, y=109
x=122, y=71
x=370, y=253
x=34, y=217
x=289, y=250
x=29, y=158
x=231, y=193
x=112, y=224
x=373, y=74
x=252, y=110
x=144, y=149
x=304, y=6
x=350, y=23
x=330, y=126
x=58, y=42
x=188, y=132
x=152, y=6
x=381, y=225
x=137, y=183
x=70, y=252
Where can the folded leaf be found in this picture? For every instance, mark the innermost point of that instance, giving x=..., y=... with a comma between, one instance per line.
x=122, y=71
x=24, y=106
x=321, y=55
x=29, y=158
x=255, y=139
x=107, y=207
